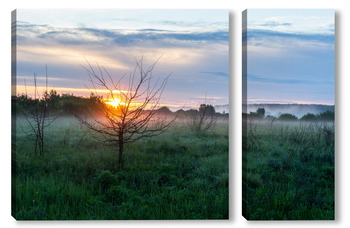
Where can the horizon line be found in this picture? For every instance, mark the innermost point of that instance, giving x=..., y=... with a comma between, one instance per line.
x=285, y=103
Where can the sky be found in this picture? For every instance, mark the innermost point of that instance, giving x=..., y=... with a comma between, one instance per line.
x=193, y=47
x=290, y=56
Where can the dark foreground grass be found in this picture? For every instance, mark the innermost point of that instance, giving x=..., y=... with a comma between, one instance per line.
x=288, y=171
x=178, y=175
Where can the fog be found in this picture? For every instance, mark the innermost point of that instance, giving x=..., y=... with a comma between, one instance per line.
x=222, y=108
x=298, y=110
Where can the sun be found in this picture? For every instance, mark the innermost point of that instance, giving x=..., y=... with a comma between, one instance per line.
x=114, y=102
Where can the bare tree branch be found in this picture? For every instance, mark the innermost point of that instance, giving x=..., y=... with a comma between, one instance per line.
x=135, y=117
x=37, y=113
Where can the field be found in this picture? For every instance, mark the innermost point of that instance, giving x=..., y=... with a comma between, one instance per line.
x=177, y=175
x=288, y=170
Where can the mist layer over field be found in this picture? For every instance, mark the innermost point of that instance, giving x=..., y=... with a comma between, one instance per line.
x=298, y=110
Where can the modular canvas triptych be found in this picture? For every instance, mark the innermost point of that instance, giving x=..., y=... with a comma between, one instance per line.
x=124, y=114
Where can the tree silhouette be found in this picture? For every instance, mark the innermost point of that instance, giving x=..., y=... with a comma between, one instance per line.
x=309, y=117
x=326, y=116
x=134, y=115
x=287, y=117
x=37, y=113
x=201, y=120
x=261, y=112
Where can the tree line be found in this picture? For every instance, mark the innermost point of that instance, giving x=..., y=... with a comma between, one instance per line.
x=259, y=114
x=67, y=104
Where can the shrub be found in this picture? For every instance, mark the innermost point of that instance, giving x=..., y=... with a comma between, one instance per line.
x=309, y=117
x=287, y=117
x=261, y=112
x=327, y=115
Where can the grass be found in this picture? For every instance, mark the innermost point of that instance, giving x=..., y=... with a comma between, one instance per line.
x=288, y=171
x=177, y=175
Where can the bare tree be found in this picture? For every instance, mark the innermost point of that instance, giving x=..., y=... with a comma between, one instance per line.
x=128, y=113
x=37, y=113
x=202, y=119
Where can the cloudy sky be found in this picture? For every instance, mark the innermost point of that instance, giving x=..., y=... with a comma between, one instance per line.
x=193, y=45
x=290, y=56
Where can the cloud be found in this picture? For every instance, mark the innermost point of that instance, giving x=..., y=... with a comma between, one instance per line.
x=290, y=58
x=273, y=44
x=177, y=23
x=183, y=52
x=275, y=24
x=153, y=30
x=109, y=47
x=223, y=74
x=31, y=78
x=107, y=37
x=196, y=25
x=287, y=80
x=284, y=37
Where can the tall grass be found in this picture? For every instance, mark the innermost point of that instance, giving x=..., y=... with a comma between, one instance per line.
x=289, y=170
x=177, y=175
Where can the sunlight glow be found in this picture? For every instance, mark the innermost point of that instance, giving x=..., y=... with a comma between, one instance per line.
x=115, y=102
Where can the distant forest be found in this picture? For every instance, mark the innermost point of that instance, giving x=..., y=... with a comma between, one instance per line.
x=68, y=104
x=260, y=114
x=299, y=110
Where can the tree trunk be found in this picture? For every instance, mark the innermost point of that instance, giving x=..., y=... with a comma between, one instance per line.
x=36, y=144
x=120, y=156
x=42, y=143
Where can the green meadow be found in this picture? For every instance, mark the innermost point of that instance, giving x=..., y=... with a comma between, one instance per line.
x=288, y=170
x=179, y=174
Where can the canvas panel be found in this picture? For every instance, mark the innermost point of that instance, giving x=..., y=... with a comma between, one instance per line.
x=120, y=114
x=288, y=114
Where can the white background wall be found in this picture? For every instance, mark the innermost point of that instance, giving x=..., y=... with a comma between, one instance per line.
x=235, y=7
